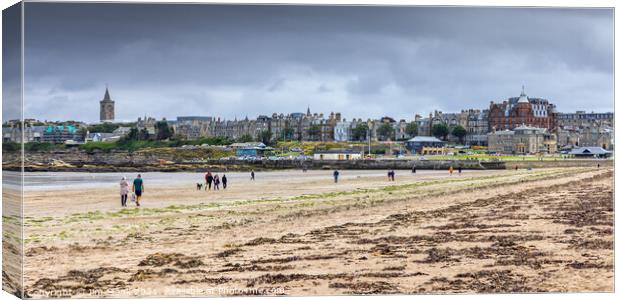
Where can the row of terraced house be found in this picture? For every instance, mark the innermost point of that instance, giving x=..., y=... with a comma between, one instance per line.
x=483, y=126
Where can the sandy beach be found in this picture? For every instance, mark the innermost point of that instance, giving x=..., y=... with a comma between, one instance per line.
x=295, y=233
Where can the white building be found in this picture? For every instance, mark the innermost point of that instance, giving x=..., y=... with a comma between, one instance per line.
x=338, y=154
x=342, y=131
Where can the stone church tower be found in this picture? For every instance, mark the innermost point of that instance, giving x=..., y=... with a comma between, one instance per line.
x=106, y=108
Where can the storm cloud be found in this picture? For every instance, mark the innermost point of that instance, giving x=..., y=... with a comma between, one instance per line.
x=167, y=60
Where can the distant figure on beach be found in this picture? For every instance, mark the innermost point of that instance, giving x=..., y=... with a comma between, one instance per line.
x=391, y=175
x=216, y=182
x=124, y=191
x=517, y=168
x=413, y=169
x=252, y=175
x=336, y=173
x=305, y=169
x=138, y=188
x=460, y=170
x=451, y=169
x=224, y=181
x=209, y=179
x=598, y=166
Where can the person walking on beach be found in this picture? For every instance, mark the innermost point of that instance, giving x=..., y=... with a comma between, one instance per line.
x=224, y=181
x=138, y=188
x=460, y=170
x=124, y=191
x=252, y=175
x=216, y=182
x=336, y=173
x=451, y=169
x=209, y=179
x=413, y=169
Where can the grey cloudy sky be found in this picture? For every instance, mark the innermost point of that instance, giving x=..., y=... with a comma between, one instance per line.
x=167, y=60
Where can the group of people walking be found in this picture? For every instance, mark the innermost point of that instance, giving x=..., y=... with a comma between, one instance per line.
x=215, y=181
x=137, y=188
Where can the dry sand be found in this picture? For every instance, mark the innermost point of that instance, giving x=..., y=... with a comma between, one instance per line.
x=548, y=230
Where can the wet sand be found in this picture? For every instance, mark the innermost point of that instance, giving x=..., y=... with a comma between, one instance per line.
x=299, y=233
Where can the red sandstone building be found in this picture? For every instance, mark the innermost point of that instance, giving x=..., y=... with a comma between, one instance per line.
x=517, y=111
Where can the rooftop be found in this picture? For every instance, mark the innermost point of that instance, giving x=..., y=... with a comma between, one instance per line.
x=338, y=151
x=425, y=139
x=589, y=150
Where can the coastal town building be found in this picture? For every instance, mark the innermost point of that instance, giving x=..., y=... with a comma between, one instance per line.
x=585, y=129
x=476, y=126
x=522, y=110
x=106, y=108
x=500, y=141
x=499, y=123
x=293, y=126
x=425, y=145
x=474, y=121
x=60, y=134
x=342, y=131
x=147, y=123
x=583, y=119
x=338, y=154
x=250, y=149
x=192, y=127
x=30, y=134
x=532, y=140
x=570, y=137
x=522, y=140
x=101, y=137
x=589, y=152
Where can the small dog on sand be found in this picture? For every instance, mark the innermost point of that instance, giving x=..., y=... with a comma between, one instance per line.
x=199, y=186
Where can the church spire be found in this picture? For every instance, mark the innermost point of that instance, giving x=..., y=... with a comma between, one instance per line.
x=106, y=97
x=106, y=107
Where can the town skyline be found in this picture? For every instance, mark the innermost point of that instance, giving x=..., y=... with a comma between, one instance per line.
x=364, y=61
x=408, y=116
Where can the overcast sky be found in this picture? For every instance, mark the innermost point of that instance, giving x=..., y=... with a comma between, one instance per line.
x=167, y=60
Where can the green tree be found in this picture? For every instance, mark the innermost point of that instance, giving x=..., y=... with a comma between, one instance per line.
x=133, y=134
x=82, y=132
x=412, y=129
x=459, y=132
x=246, y=138
x=103, y=127
x=385, y=131
x=163, y=131
x=143, y=134
x=360, y=131
x=265, y=137
x=287, y=133
x=440, y=131
x=314, y=132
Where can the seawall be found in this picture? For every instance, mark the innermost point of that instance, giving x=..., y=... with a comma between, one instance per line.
x=185, y=160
